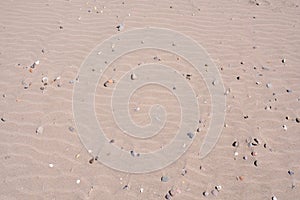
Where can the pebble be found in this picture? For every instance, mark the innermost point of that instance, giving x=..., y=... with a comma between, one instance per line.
x=214, y=192
x=134, y=154
x=51, y=165
x=297, y=120
x=284, y=127
x=236, y=153
x=256, y=163
x=141, y=190
x=133, y=76
x=3, y=119
x=205, y=193
x=71, y=129
x=39, y=130
x=110, y=81
x=235, y=144
x=183, y=172
x=245, y=158
x=283, y=60
x=253, y=153
x=45, y=80
x=291, y=173
x=120, y=27
x=269, y=85
x=274, y=198
x=218, y=188
x=78, y=181
x=190, y=135
x=164, y=179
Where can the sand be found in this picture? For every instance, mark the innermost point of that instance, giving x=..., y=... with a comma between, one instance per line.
x=253, y=43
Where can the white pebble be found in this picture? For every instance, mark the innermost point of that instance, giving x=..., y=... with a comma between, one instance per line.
x=219, y=188
x=45, y=80
x=39, y=130
x=236, y=153
x=78, y=181
x=141, y=190
x=284, y=127
x=37, y=62
x=274, y=198
x=133, y=77
x=51, y=165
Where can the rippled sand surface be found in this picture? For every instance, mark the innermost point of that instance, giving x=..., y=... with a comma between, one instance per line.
x=254, y=44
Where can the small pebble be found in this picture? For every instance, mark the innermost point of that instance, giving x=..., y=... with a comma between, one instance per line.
x=284, y=127
x=214, y=192
x=297, y=120
x=235, y=144
x=133, y=76
x=236, y=153
x=283, y=60
x=190, y=135
x=205, y=193
x=291, y=173
x=183, y=172
x=71, y=129
x=134, y=154
x=274, y=198
x=164, y=179
x=218, y=187
x=245, y=158
x=78, y=181
x=45, y=80
x=51, y=165
x=172, y=192
x=3, y=119
x=269, y=85
x=120, y=27
x=141, y=190
x=253, y=153
x=39, y=130
x=256, y=163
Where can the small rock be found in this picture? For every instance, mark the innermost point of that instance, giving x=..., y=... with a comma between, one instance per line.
x=134, y=154
x=78, y=181
x=253, y=153
x=245, y=157
x=236, y=153
x=256, y=163
x=51, y=165
x=120, y=27
x=190, y=135
x=283, y=60
x=39, y=130
x=45, y=80
x=133, y=76
x=235, y=144
x=71, y=129
x=205, y=193
x=291, y=173
x=214, y=192
x=164, y=179
x=284, y=127
x=269, y=85
x=172, y=192
x=274, y=198
x=168, y=196
x=3, y=119
x=218, y=187
x=183, y=172
x=141, y=190
x=297, y=120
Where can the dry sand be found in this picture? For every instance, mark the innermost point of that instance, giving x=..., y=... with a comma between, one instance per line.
x=245, y=39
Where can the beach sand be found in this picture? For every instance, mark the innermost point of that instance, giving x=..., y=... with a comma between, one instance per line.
x=254, y=44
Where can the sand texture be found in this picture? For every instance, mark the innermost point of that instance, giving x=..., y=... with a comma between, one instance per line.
x=254, y=44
